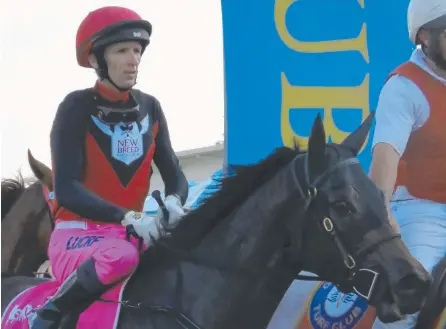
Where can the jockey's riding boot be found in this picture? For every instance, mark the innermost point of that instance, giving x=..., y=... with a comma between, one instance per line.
x=82, y=285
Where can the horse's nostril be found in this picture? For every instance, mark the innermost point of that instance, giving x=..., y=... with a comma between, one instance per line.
x=410, y=291
x=410, y=282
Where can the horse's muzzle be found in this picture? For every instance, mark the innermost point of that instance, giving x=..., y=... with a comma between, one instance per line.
x=411, y=291
x=403, y=284
x=405, y=298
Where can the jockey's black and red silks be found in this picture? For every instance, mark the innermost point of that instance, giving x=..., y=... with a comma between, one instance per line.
x=101, y=170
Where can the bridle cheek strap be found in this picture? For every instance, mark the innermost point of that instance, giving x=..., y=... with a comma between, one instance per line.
x=363, y=281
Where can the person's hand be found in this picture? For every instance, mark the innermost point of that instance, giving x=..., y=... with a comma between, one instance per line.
x=145, y=226
x=175, y=209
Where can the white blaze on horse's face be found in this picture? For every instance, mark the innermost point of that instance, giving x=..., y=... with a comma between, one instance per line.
x=122, y=60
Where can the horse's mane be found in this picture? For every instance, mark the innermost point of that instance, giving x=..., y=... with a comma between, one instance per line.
x=232, y=192
x=12, y=189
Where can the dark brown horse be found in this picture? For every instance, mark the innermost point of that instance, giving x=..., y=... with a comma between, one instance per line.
x=229, y=262
x=26, y=225
x=13, y=190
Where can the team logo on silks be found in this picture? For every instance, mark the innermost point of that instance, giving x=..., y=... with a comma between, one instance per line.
x=126, y=138
x=331, y=308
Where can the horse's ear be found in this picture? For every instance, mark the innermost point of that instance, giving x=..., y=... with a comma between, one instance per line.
x=41, y=171
x=316, y=148
x=356, y=139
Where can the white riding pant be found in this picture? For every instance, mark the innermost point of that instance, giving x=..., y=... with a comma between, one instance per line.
x=423, y=230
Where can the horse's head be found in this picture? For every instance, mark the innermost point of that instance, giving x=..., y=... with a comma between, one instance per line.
x=26, y=223
x=346, y=231
x=26, y=229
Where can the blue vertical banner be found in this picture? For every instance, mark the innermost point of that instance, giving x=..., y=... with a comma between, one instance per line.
x=287, y=60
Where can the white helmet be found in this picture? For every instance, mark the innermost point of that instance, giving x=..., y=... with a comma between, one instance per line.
x=421, y=12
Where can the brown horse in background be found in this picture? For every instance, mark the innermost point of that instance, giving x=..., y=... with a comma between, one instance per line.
x=26, y=222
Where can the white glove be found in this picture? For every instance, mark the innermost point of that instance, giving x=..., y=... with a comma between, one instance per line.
x=175, y=209
x=148, y=227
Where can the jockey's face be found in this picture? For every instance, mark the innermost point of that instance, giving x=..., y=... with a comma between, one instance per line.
x=123, y=59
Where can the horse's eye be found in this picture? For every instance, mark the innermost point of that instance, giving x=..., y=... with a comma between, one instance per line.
x=342, y=208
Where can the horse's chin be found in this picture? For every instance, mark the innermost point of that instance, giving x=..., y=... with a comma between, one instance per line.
x=388, y=312
x=387, y=307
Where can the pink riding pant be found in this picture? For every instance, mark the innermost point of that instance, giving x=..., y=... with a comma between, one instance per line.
x=73, y=242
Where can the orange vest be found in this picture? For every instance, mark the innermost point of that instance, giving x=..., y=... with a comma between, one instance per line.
x=422, y=168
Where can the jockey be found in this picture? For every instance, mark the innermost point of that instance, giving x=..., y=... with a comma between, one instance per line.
x=103, y=141
x=409, y=146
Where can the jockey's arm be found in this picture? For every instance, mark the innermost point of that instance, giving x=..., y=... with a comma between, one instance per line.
x=167, y=162
x=67, y=140
x=396, y=117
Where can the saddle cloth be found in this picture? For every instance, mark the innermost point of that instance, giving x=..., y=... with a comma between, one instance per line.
x=98, y=315
x=320, y=305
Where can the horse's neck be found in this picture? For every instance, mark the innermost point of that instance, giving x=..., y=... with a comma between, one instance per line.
x=250, y=226
x=250, y=237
